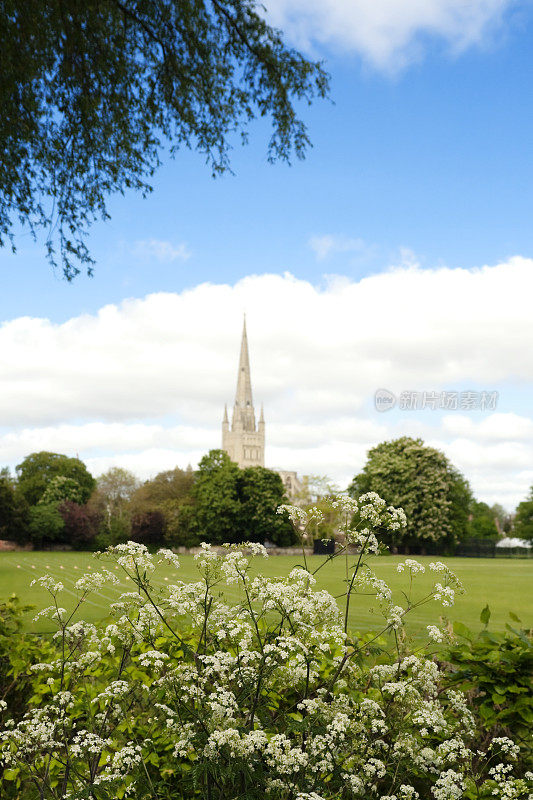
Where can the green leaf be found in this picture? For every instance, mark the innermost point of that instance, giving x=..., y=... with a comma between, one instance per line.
x=514, y=617
x=485, y=615
x=10, y=774
x=462, y=630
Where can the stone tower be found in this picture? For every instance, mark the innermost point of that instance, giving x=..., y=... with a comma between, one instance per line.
x=244, y=442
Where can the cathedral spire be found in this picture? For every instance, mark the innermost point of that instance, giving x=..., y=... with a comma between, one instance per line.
x=243, y=410
x=244, y=442
x=244, y=382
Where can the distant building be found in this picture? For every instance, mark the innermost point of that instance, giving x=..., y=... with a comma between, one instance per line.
x=244, y=442
x=291, y=482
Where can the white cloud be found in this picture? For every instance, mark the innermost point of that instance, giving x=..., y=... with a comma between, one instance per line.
x=143, y=384
x=387, y=33
x=496, y=428
x=164, y=252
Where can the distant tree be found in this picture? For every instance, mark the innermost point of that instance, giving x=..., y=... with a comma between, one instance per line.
x=261, y=492
x=116, y=487
x=111, y=499
x=148, y=528
x=45, y=525
x=482, y=524
x=317, y=491
x=234, y=505
x=91, y=92
x=61, y=488
x=314, y=488
x=170, y=494
x=460, y=499
x=81, y=524
x=434, y=495
x=217, y=507
x=501, y=517
x=523, y=521
x=13, y=511
x=169, y=486
x=114, y=490
x=37, y=470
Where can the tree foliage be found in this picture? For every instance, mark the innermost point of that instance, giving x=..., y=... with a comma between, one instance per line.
x=91, y=93
x=38, y=470
x=482, y=524
x=496, y=670
x=216, y=498
x=169, y=494
x=261, y=492
x=523, y=522
x=316, y=492
x=434, y=495
x=172, y=485
x=13, y=511
x=45, y=525
x=148, y=528
x=61, y=488
x=232, y=504
x=114, y=490
x=81, y=524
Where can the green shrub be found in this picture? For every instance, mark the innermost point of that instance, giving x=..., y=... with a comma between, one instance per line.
x=495, y=670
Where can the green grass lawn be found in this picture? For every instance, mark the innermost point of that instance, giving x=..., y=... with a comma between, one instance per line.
x=505, y=584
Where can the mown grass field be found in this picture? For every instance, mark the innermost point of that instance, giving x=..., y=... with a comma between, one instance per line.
x=505, y=584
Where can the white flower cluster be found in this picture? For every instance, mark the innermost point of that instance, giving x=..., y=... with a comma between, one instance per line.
x=269, y=689
x=414, y=567
x=435, y=633
x=132, y=556
x=49, y=583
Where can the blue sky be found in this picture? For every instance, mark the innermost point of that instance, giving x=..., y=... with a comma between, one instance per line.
x=422, y=162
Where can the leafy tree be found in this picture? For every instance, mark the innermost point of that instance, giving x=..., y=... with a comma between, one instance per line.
x=482, y=523
x=13, y=511
x=111, y=499
x=172, y=485
x=148, y=528
x=81, y=524
x=45, y=525
x=91, y=92
x=501, y=517
x=38, y=470
x=169, y=494
x=217, y=507
x=234, y=505
x=317, y=491
x=434, y=495
x=523, y=521
x=61, y=488
x=114, y=490
x=261, y=491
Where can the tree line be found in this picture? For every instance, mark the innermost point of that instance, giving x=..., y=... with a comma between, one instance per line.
x=53, y=500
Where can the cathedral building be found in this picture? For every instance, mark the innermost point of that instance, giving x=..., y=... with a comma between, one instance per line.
x=244, y=441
